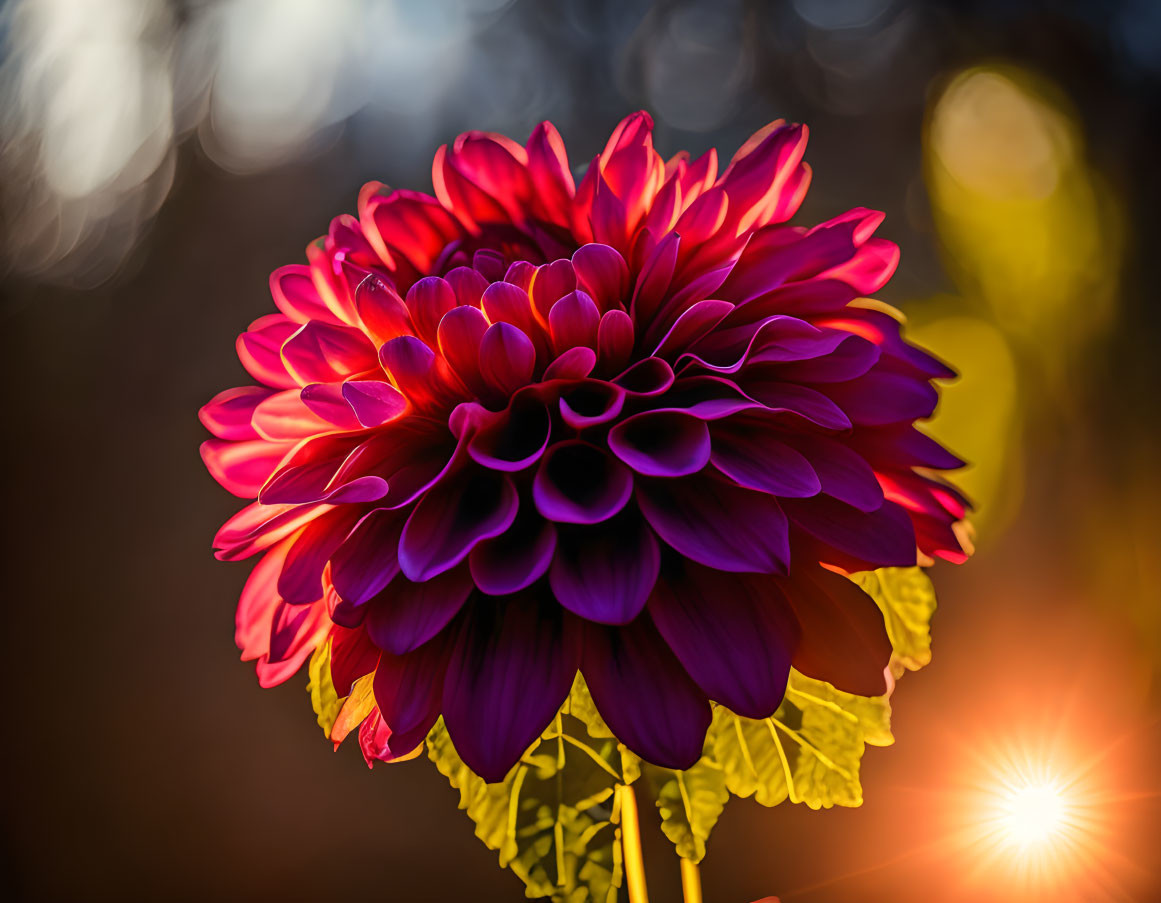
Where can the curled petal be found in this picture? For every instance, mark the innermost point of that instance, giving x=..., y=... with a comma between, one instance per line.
x=662, y=443
x=591, y=402
x=516, y=558
x=578, y=483
x=516, y=438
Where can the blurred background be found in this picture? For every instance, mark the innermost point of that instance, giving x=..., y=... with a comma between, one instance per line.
x=159, y=159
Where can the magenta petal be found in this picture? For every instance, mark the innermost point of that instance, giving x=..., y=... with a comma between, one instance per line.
x=511, y=670
x=460, y=333
x=881, y=538
x=295, y=294
x=552, y=282
x=427, y=301
x=408, y=689
x=516, y=437
x=301, y=579
x=326, y=400
x=744, y=451
x=573, y=321
x=694, y=322
x=227, y=415
x=382, y=311
x=603, y=273
x=243, y=468
x=260, y=350
x=606, y=576
x=734, y=634
x=576, y=363
x=578, y=483
x=406, y=615
x=717, y=524
x=844, y=638
x=452, y=517
x=368, y=558
x=615, y=336
x=515, y=559
x=662, y=443
x=469, y=286
x=507, y=358
x=285, y=415
x=373, y=401
x=325, y=353
x=644, y=695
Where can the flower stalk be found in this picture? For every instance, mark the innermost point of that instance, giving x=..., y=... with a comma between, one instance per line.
x=631, y=846
x=690, y=881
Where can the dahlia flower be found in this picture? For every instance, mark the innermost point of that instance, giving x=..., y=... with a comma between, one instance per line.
x=636, y=426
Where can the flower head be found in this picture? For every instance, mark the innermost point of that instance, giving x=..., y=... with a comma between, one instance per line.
x=635, y=426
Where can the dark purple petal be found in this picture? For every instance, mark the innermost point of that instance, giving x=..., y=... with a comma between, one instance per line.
x=408, y=691
x=454, y=515
x=853, y=357
x=745, y=452
x=662, y=443
x=843, y=472
x=368, y=558
x=881, y=538
x=512, y=668
x=406, y=615
x=717, y=524
x=734, y=634
x=798, y=400
x=606, y=576
x=879, y=398
x=844, y=638
x=578, y=483
x=517, y=558
x=644, y=695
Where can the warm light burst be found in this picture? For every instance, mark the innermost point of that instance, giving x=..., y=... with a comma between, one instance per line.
x=1034, y=814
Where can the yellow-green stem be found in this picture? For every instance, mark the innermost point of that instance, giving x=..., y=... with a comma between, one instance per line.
x=631, y=845
x=690, y=881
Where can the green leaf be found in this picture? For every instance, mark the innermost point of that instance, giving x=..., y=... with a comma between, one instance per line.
x=553, y=819
x=690, y=803
x=811, y=750
x=907, y=600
